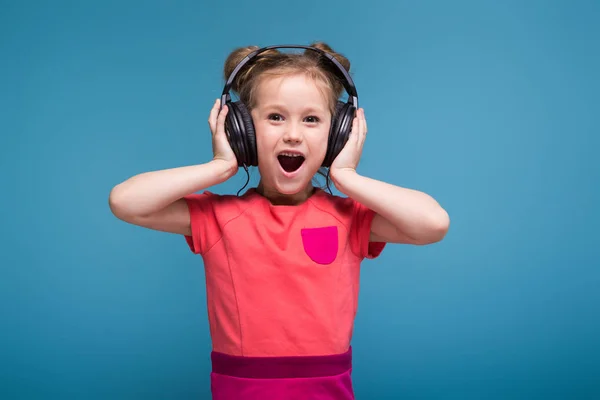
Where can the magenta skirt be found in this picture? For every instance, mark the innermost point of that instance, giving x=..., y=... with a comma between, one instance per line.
x=279, y=378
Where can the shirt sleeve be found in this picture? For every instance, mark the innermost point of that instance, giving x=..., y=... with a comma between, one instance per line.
x=360, y=233
x=203, y=222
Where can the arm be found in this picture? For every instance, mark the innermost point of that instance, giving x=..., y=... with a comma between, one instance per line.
x=155, y=199
x=402, y=215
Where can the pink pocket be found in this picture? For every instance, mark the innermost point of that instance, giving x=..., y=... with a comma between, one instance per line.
x=321, y=244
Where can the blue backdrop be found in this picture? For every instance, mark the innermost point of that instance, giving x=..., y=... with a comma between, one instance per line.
x=491, y=107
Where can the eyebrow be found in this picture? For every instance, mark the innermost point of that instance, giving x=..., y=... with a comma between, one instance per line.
x=282, y=107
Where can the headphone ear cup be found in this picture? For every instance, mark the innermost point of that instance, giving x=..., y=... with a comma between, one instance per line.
x=234, y=129
x=341, y=125
x=240, y=133
x=249, y=138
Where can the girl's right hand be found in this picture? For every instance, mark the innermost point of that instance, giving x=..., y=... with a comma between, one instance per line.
x=221, y=148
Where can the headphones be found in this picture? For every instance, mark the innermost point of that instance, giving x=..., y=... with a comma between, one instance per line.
x=240, y=128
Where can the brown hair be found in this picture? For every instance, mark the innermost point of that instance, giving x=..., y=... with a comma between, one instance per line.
x=275, y=63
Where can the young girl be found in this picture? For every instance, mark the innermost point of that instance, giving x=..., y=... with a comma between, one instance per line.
x=282, y=260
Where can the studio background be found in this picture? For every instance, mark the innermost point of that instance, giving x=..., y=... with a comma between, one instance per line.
x=490, y=107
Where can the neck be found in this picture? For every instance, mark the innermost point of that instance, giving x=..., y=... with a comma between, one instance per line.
x=277, y=198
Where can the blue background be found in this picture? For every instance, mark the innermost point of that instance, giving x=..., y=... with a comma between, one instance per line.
x=491, y=107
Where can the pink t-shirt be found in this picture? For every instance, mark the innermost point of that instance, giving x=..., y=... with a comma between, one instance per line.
x=281, y=280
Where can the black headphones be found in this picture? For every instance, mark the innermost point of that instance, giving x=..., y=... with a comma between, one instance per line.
x=240, y=128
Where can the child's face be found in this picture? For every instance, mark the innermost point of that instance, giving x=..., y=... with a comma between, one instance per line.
x=291, y=120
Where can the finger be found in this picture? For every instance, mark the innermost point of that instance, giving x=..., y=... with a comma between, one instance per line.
x=221, y=121
x=362, y=130
x=364, y=121
x=355, y=132
x=212, y=118
x=361, y=122
x=357, y=119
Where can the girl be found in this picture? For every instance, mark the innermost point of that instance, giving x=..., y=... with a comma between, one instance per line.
x=282, y=260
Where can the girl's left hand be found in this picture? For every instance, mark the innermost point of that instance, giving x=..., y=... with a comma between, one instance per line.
x=348, y=158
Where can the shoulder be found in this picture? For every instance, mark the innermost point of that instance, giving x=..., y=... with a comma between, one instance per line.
x=220, y=199
x=226, y=206
x=343, y=208
x=355, y=217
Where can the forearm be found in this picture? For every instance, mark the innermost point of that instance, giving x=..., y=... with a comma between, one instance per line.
x=150, y=192
x=413, y=213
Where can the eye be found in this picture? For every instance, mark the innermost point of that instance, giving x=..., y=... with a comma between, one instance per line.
x=275, y=117
x=312, y=119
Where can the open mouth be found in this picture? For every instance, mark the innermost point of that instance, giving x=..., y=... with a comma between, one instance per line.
x=290, y=162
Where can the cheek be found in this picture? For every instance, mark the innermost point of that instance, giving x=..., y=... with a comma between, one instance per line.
x=264, y=139
x=319, y=144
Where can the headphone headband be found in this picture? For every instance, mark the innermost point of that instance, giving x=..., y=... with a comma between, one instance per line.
x=348, y=82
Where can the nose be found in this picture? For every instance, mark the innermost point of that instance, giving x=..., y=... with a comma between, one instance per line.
x=293, y=134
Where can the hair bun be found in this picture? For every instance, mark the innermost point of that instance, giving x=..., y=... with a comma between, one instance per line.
x=326, y=48
x=236, y=56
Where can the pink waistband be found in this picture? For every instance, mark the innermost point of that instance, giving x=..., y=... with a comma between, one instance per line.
x=281, y=367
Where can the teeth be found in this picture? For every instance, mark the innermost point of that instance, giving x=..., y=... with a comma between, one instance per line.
x=290, y=154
